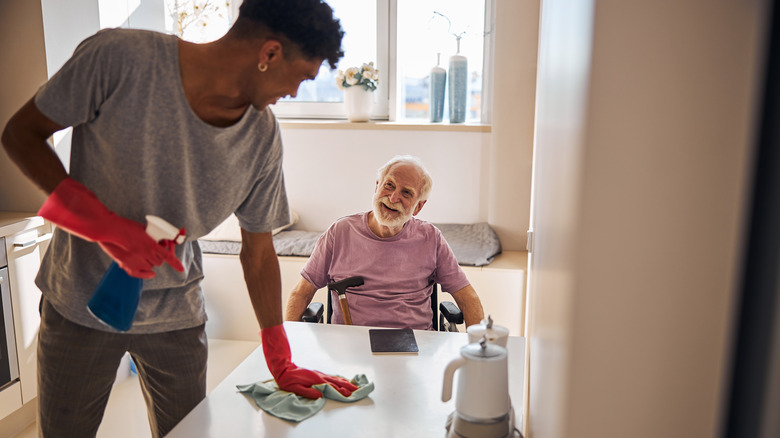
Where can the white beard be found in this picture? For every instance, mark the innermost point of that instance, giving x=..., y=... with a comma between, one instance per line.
x=388, y=219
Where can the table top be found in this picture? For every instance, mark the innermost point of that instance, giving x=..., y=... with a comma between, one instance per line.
x=406, y=401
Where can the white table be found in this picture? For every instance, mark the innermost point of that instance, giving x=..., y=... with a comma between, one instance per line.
x=406, y=401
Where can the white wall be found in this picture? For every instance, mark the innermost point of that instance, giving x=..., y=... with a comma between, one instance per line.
x=514, y=106
x=65, y=25
x=643, y=144
x=331, y=173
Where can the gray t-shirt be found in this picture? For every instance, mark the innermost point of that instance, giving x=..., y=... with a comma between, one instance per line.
x=140, y=147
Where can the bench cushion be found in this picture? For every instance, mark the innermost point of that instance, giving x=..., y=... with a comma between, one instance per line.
x=473, y=244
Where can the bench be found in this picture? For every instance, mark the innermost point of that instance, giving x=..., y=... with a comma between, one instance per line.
x=498, y=277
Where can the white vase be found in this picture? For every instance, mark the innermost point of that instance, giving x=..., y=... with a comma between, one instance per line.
x=358, y=102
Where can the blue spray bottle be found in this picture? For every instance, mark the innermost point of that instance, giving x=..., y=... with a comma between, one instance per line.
x=116, y=298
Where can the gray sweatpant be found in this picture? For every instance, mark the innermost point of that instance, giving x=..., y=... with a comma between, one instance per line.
x=77, y=367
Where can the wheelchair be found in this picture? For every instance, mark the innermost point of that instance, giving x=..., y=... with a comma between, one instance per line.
x=445, y=315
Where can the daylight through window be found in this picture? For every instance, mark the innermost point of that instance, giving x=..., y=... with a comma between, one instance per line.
x=427, y=33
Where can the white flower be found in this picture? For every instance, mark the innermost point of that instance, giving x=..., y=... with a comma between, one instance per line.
x=366, y=76
x=369, y=72
x=350, y=76
x=340, y=80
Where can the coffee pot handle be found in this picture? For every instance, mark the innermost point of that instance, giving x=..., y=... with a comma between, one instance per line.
x=449, y=372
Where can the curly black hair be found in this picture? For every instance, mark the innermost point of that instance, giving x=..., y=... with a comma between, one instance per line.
x=309, y=24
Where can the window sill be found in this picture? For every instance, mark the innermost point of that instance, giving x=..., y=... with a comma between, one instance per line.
x=382, y=125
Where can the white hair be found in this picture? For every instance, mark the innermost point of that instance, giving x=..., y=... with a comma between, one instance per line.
x=427, y=184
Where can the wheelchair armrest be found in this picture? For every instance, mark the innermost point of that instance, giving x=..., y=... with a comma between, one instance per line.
x=313, y=313
x=450, y=312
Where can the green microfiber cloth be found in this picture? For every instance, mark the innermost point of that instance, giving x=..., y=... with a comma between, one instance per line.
x=292, y=407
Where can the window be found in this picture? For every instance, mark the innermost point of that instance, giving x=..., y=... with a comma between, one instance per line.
x=404, y=38
x=430, y=31
x=366, y=39
x=404, y=54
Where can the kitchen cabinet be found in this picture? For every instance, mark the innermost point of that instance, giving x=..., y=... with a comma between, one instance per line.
x=26, y=239
x=501, y=288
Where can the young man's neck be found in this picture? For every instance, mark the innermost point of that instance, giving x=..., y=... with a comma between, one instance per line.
x=211, y=76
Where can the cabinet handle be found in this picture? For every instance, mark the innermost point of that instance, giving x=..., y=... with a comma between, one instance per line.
x=38, y=239
x=25, y=244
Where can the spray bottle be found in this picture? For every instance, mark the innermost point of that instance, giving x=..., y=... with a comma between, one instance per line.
x=116, y=298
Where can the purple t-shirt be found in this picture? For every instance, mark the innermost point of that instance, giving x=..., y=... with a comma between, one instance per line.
x=398, y=272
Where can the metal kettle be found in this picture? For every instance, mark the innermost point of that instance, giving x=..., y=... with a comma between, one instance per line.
x=482, y=404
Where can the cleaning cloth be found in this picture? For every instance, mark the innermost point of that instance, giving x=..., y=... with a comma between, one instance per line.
x=291, y=407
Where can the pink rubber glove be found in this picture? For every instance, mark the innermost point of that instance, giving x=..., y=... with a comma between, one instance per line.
x=288, y=376
x=77, y=210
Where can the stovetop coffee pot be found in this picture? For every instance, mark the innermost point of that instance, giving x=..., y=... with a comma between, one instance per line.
x=482, y=404
x=496, y=334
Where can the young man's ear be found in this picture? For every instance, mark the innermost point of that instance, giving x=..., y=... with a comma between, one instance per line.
x=270, y=52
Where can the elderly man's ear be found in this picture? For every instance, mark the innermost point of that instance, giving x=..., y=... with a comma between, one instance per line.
x=419, y=207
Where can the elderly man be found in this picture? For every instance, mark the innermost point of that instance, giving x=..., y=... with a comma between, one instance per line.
x=399, y=256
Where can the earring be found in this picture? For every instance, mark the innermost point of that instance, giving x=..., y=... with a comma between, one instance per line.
x=262, y=67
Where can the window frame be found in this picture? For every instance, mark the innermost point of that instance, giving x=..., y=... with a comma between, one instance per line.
x=385, y=44
x=388, y=102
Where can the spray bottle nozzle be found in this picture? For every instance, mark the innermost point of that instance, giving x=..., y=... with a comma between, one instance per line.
x=159, y=229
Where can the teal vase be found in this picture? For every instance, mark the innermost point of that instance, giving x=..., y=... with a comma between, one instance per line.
x=438, y=88
x=458, y=87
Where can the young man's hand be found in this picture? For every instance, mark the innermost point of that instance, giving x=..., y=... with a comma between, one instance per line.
x=291, y=378
x=76, y=209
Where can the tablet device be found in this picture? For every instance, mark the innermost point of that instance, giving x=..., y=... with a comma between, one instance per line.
x=392, y=341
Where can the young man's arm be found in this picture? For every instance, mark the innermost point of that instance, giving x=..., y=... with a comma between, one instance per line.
x=469, y=303
x=263, y=280
x=25, y=140
x=73, y=207
x=300, y=297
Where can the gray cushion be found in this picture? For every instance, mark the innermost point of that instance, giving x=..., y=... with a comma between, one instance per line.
x=220, y=246
x=472, y=244
x=286, y=243
x=295, y=242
